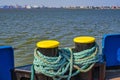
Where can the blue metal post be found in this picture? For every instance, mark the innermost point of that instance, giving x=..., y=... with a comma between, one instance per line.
x=6, y=62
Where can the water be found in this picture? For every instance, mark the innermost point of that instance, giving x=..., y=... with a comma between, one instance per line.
x=22, y=29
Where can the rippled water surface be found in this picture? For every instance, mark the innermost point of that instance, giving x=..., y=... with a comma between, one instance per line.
x=23, y=28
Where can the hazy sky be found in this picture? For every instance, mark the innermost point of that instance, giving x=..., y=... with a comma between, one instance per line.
x=58, y=3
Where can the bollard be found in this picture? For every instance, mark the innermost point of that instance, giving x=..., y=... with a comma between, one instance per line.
x=48, y=48
x=83, y=43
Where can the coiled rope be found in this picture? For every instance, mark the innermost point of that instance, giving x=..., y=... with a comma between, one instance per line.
x=65, y=62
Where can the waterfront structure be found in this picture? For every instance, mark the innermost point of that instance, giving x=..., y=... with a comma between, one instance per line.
x=67, y=7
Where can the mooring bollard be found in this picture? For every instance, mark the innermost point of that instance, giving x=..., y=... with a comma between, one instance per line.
x=48, y=48
x=84, y=43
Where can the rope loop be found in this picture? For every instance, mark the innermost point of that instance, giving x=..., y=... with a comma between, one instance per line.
x=65, y=62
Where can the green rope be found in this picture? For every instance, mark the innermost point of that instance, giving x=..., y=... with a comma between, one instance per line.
x=32, y=72
x=66, y=61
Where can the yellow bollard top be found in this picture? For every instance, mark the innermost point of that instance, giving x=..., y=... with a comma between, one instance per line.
x=84, y=39
x=47, y=44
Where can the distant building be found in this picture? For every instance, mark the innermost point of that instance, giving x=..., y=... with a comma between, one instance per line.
x=35, y=6
x=28, y=7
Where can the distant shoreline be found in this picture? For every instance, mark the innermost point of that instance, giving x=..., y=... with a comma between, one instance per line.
x=61, y=8
x=70, y=7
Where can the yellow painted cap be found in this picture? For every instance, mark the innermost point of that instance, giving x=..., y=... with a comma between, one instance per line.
x=84, y=39
x=47, y=44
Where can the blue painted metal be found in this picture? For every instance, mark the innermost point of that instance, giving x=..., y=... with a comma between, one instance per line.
x=6, y=62
x=110, y=46
x=118, y=54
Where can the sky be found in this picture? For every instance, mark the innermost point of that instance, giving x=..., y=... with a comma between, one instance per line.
x=59, y=3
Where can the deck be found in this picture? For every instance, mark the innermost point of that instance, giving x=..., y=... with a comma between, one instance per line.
x=23, y=73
